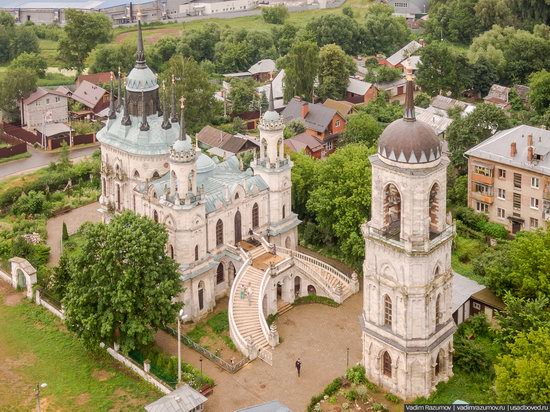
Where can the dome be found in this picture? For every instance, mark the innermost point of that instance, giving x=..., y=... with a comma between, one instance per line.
x=406, y=141
x=141, y=79
x=204, y=164
x=182, y=145
x=271, y=116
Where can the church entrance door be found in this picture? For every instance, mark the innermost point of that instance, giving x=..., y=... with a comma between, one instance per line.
x=238, y=233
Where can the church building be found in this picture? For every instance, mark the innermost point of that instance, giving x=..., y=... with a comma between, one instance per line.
x=407, y=324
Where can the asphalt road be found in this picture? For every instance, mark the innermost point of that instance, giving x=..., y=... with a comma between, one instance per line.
x=39, y=159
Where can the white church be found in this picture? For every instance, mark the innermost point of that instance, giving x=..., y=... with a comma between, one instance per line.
x=228, y=228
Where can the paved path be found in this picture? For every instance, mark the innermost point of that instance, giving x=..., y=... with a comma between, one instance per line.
x=39, y=159
x=74, y=219
x=318, y=334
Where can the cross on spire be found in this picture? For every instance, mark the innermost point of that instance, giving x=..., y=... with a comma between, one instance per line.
x=409, y=114
x=183, y=133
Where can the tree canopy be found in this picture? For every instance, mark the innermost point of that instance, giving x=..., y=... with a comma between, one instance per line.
x=333, y=72
x=15, y=39
x=382, y=32
x=16, y=84
x=362, y=128
x=242, y=95
x=31, y=61
x=301, y=66
x=275, y=14
x=122, y=283
x=111, y=57
x=337, y=29
x=539, y=91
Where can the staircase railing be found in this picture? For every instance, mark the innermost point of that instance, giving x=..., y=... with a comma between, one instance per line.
x=236, y=336
x=263, y=286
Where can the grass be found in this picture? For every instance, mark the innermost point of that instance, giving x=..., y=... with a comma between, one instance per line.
x=462, y=258
x=48, y=50
x=16, y=157
x=213, y=334
x=55, y=79
x=35, y=347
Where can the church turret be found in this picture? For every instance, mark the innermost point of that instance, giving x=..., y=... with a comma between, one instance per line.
x=271, y=134
x=112, y=110
x=174, y=116
x=182, y=162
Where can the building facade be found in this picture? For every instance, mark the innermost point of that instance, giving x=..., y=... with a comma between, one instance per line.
x=407, y=318
x=44, y=106
x=509, y=178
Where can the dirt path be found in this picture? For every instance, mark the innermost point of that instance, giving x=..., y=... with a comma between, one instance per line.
x=318, y=334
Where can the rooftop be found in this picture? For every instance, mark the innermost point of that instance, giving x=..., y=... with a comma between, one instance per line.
x=41, y=92
x=272, y=406
x=317, y=118
x=88, y=94
x=183, y=399
x=343, y=107
x=463, y=289
x=358, y=86
x=303, y=140
x=403, y=53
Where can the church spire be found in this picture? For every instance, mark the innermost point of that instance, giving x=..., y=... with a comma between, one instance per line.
x=119, y=94
x=144, y=125
x=126, y=116
x=140, y=53
x=174, y=116
x=112, y=112
x=183, y=132
x=271, y=106
x=409, y=98
x=165, y=119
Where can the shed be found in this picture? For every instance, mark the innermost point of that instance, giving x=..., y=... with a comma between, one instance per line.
x=183, y=399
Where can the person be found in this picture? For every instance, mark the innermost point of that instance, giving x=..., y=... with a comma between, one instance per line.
x=298, y=366
x=249, y=293
x=243, y=292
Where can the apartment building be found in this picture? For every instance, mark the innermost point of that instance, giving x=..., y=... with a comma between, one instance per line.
x=509, y=178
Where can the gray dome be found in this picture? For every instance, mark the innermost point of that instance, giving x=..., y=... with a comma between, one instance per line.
x=141, y=79
x=204, y=164
x=271, y=116
x=182, y=145
x=407, y=141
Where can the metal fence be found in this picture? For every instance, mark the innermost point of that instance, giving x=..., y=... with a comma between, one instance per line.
x=229, y=367
x=44, y=294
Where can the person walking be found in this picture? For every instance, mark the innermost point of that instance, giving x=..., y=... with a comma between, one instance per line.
x=298, y=366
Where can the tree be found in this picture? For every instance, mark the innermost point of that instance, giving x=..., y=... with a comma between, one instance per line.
x=522, y=374
x=443, y=69
x=83, y=31
x=422, y=100
x=294, y=128
x=241, y=95
x=382, y=110
x=239, y=49
x=200, y=43
x=342, y=202
x=491, y=12
x=304, y=180
x=122, y=283
x=31, y=61
x=7, y=19
x=161, y=52
x=347, y=11
x=64, y=161
x=382, y=32
x=301, y=66
x=192, y=83
x=531, y=11
x=283, y=37
x=24, y=41
x=275, y=14
x=454, y=20
x=539, y=93
x=16, y=84
x=337, y=29
x=333, y=72
x=362, y=128
x=64, y=233
x=466, y=132
x=484, y=75
x=111, y=57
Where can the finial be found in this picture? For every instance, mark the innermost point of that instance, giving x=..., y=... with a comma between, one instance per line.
x=126, y=117
x=140, y=53
x=165, y=119
x=119, y=94
x=144, y=125
x=183, y=134
x=112, y=112
x=409, y=114
x=174, y=116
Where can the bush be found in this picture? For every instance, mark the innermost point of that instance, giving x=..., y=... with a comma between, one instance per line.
x=479, y=222
x=275, y=14
x=36, y=254
x=362, y=393
x=471, y=356
x=378, y=407
x=315, y=299
x=351, y=395
x=494, y=230
x=356, y=375
x=333, y=387
x=65, y=233
x=32, y=203
x=468, y=249
x=392, y=398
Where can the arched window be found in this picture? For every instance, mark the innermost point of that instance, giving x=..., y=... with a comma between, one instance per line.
x=104, y=186
x=238, y=227
x=219, y=274
x=387, y=310
x=236, y=195
x=284, y=211
x=438, y=314
x=438, y=364
x=155, y=216
x=118, y=197
x=434, y=208
x=190, y=181
x=196, y=253
x=219, y=233
x=136, y=174
x=201, y=295
x=392, y=211
x=255, y=216
x=386, y=364
x=155, y=175
x=171, y=249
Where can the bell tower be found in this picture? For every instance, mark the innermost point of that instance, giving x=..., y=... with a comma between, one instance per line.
x=407, y=324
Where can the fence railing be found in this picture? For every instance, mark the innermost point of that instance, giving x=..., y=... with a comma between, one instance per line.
x=228, y=366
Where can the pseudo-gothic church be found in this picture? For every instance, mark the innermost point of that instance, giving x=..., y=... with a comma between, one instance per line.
x=150, y=166
x=407, y=322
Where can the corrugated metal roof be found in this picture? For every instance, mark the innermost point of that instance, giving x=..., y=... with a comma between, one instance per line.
x=403, y=53
x=358, y=86
x=183, y=399
x=463, y=288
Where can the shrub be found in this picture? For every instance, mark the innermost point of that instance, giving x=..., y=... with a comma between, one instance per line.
x=378, y=407
x=351, y=395
x=372, y=387
x=392, y=398
x=471, y=356
x=345, y=406
x=65, y=233
x=275, y=14
x=494, y=230
x=315, y=299
x=333, y=387
x=362, y=393
x=468, y=249
x=356, y=375
x=32, y=203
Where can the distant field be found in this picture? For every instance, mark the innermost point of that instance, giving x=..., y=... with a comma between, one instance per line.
x=49, y=51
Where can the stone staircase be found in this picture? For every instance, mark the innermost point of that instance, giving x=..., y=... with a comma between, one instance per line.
x=256, y=252
x=284, y=309
x=246, y=315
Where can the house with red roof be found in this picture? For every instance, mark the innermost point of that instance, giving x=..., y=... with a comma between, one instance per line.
x=91, y=96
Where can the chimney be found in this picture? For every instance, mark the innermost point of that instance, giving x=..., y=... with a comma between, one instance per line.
x=513, y=150
x=305, y=109
x=530, y=153
x=530, y=140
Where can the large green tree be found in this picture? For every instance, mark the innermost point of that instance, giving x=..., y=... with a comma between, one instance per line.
x=111, y=57
x=122, y=283
x=362, y=128
x=333, y=74
x=304, y=180
x=383, y=32
x=453, y=20
x=539, y=93
x=83, y=31
x=16, y=84
x=491, y=12
x=241, y=95
x=192, y=83
x=283, y=37
x=162, y=51
x=522, y=374
x=276, y=14
x=200, y=43
x=15, y=40
x=337, y=29
x=301, y=66
x=31, y=61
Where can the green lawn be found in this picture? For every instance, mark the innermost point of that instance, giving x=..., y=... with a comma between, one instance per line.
x=49, y=51
x=16, y=157
x=55, y=79
x=35, y=347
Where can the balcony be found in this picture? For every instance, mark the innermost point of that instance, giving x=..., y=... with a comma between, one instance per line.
x=483, y=197
x=487, y=180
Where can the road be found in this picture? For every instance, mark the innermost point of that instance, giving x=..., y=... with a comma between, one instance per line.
x=39, y=159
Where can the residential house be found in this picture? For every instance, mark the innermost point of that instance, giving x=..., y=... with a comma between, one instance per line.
x=306, y=143
x=509, y=178
x=224, y=144
x=278, y=94
x=99, y=79
x=396, y=60
x=343, y=107
x=44, y=106
x=500, y=95
x=471, y=298
x=183, y=399
x=443, y=103
x=395, y=89
x=260, y=71
x=410, y=9
x=412, y=63
x=322, y=122
x=92, y=97
x=434, y=118
x=360, y=92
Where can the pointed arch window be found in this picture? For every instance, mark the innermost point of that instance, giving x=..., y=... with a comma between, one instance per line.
x=219, y=274
x=438, y=314
x=284, y=211
x=196, y=252
x=255, y=216
x=155, y=216
x=171, y=249
x=386, y=364
x=219, y=233
x=387, y=310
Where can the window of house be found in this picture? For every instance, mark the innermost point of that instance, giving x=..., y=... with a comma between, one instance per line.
x=482, y=170
x=484, y=189
x=284, y=211
x=387, y=310
x=47, y=101
x=196, y=252
x=517, y=180
x=502, y=173
x=219, y=233
x=534, y=203
x=386, y=360
x=337, y=124
x=501, y=194
x=329, y=145
x=482, y=207
x=517, y=201
x=535, y=182
x=534, y=223
x=501, y=212
x=477, y=306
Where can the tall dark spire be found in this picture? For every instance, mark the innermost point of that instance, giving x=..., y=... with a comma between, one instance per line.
x=140, y=53
x=144, y=125
x=119, y=94
x=126, y=116
x=165, y=119
x=112, y=111
x=174, y=116
x=183, y=132
x=409, y=98
x=271, y=106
